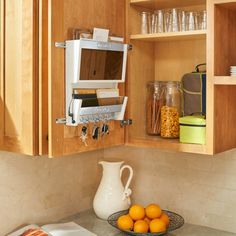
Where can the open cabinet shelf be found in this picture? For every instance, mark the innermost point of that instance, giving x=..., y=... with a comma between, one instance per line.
x=160, y=57
x=225, y=80
x=225, y=37
x=172, y=36
x=167, y=144
x=161, y=4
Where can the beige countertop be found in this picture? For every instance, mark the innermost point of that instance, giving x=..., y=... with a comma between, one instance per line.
x=89, y=221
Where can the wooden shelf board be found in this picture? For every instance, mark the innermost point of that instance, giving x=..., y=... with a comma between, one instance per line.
x=225, y=80
x=167, y=144
x=172, y=36
x=161, y=4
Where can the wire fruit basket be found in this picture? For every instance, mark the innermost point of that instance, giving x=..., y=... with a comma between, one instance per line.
x=176, y=221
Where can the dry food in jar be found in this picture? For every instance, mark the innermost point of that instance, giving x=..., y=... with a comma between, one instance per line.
x=154, y=116
x=169, y=122
x=154, y=103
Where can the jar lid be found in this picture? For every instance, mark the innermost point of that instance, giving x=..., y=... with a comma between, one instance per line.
x=192, y=120
x=173, y=84
x=156, y=83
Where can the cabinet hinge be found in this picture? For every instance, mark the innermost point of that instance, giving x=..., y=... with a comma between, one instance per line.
x=60, y=44
x=61, y=121
x=130, y=47
x=126, y=122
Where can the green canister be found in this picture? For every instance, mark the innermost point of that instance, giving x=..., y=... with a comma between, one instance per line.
x=193, y=129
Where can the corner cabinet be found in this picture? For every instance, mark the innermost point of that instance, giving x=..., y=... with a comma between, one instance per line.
x=32, y=86
x=167, y=56
x=19, y=76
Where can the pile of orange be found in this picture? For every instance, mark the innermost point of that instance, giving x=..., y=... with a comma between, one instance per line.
x=142, y=220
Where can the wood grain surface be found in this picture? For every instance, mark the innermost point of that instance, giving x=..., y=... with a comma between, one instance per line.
x=64, y=16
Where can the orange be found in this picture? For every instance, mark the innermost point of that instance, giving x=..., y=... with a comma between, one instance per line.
x=157, y=226
x=147, y=220
x=153, y=211
x=125, y=222
x=137, y=212
x=141, y=226
x=164, y=217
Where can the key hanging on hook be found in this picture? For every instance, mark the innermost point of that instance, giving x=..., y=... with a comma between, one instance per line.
x=105, y=129
x=84, y=135
x=95, y=133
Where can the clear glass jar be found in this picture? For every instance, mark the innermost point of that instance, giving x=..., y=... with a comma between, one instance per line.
x=172, y=110
x=155, y=101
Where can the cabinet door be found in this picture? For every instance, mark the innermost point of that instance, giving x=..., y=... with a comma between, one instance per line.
x=64, y=16
x=18, y=76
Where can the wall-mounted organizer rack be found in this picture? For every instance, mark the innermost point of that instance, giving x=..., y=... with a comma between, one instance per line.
x=86, y=110
x=93, y=71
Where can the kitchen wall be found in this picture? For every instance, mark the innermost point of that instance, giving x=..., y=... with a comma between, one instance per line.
x=201, y=188
x=40, y=190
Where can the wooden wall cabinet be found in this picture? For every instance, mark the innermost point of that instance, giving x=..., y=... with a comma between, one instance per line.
x=19, y=76
x=32, y=86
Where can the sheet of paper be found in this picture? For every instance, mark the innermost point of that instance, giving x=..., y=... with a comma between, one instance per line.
x=67, y=229
x=107, y=93
x=100, y=34
x=22, y=230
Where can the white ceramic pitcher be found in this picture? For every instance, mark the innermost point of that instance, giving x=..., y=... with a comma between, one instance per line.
x=111, y=195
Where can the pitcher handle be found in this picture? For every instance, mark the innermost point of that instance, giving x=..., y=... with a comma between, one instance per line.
x=127, y=191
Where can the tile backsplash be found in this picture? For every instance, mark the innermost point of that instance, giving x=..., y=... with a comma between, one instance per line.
x=42, y=190
x=201, y=188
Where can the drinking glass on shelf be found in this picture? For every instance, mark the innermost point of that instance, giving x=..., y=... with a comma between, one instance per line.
x=168, y=21
x=174, y=20
x=160, y=21
x=197, y=20
x=153, y=26
x=203, y=20
x=190, y=21
x=145, y=22
x=182, y=20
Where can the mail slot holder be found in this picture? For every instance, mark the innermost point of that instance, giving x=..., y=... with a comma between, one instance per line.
x=86, y=110
x=95, y=65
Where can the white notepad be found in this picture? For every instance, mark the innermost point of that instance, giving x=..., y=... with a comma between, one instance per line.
x=62, y=229
x=67, y=229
